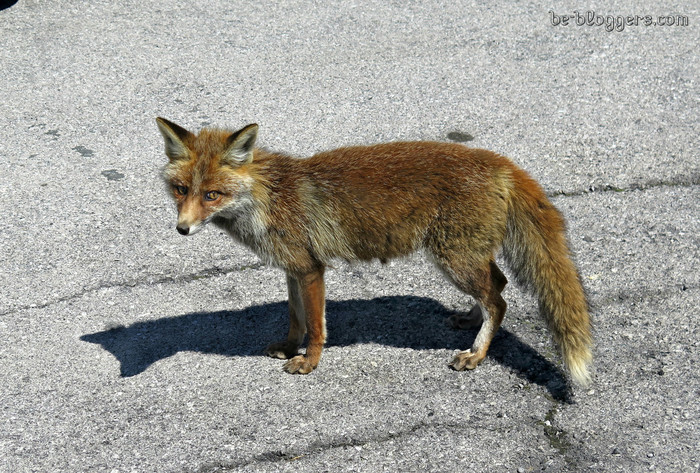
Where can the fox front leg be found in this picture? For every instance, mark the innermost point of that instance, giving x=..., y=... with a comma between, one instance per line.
x=313, y=302
x=297, y=324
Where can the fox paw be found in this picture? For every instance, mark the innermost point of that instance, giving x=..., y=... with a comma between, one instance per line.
x=466, y=360
x=299, y=365
x=471, y=319
x=282, y=350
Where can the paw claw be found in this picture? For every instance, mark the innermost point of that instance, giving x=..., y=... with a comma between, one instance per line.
x=298, y=365
x=466, y=360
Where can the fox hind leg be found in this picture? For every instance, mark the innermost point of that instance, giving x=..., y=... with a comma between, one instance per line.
x=289, y=348
x=475, y=316
x=472, y=319
x=483, y=282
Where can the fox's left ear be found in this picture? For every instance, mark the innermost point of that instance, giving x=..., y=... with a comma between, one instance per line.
x=240, y=145
x=175, y=138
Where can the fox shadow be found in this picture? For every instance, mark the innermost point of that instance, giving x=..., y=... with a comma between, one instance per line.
x=402, y=321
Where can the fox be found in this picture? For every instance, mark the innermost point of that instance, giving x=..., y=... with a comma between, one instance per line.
x=460, y=205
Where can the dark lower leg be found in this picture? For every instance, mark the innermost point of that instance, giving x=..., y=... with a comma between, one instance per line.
x=313, y=299
x=297, y=324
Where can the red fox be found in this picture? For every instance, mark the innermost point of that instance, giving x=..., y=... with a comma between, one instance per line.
x=460, y=205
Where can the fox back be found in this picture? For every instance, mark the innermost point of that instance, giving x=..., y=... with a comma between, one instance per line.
x=355, y=203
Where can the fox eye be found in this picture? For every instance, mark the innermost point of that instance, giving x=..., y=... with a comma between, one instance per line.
x=182, y=190
x=211, y=195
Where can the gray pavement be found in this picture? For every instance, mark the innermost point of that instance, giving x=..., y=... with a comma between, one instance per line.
x=127, y=348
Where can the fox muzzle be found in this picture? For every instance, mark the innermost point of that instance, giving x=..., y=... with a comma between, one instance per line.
x=185, y=229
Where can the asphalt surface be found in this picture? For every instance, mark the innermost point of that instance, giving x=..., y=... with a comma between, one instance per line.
x=126, y=347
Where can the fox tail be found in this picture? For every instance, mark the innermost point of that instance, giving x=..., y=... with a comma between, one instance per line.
x=536, y=249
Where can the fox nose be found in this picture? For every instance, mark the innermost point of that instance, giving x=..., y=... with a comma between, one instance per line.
x=183, y=230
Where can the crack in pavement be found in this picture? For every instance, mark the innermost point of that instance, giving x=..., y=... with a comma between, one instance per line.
x=639, y=294
x=318, y=447
x=144, y=280
x=572, y=453
x=558, y=438
x=680, y=181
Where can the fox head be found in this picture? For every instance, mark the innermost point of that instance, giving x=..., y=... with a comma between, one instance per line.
x=207, y=173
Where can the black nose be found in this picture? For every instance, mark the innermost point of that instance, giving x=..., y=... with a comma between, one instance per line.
x=183, y=230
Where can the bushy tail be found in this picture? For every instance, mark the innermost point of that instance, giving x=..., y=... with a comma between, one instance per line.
x=536, y=249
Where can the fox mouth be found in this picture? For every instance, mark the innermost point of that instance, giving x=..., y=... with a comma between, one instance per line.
x=189, y=230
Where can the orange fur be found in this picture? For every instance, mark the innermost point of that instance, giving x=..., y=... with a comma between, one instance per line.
x=359, y=203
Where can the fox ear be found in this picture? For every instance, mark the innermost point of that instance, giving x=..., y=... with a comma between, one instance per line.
x=240, y=145
x=175, y=138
